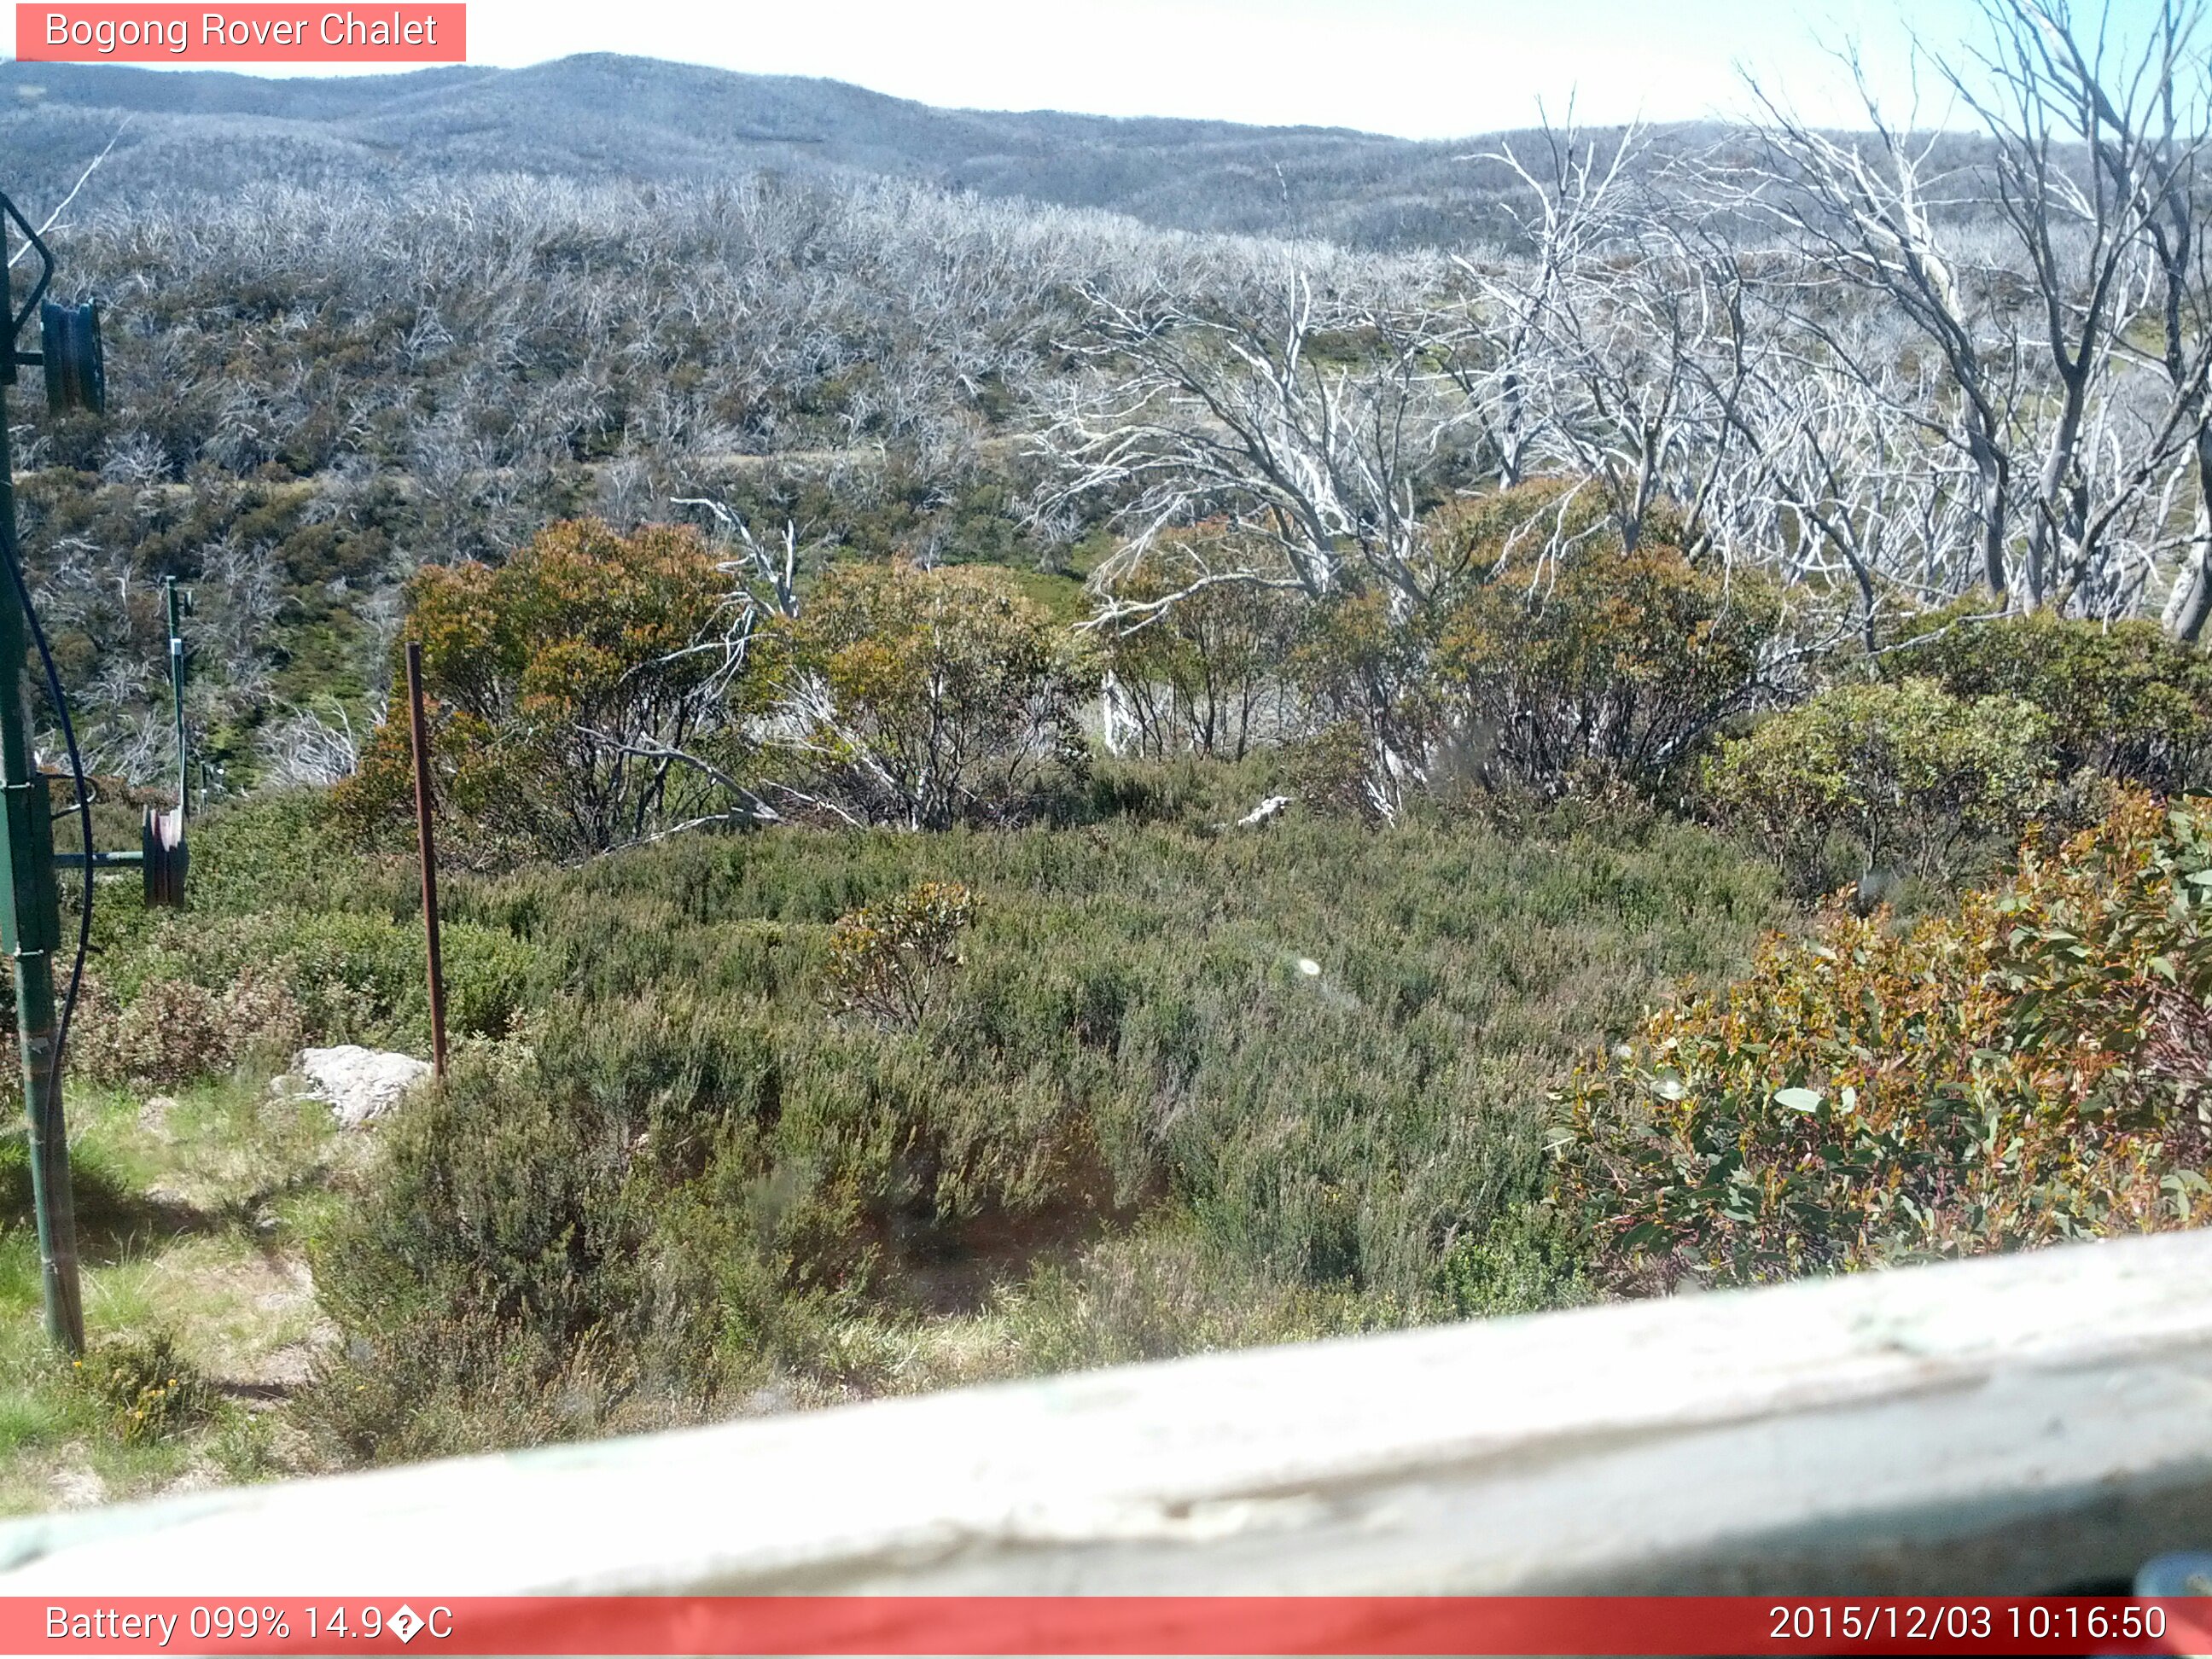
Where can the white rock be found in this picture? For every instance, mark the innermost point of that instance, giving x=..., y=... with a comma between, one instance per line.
x=360, y=1084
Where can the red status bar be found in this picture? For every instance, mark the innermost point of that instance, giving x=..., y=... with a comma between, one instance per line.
x=1102, y=1624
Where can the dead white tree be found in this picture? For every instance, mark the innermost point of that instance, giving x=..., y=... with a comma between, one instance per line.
x=1305, y=422
x=1618, y=343
x=1568, y=208
x=313, y=747
x=2088, y=141
x=1653, y=359
x=2055, y=273
x=1881, y=214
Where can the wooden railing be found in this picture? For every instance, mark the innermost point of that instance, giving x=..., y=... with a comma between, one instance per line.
x=2020, y=1424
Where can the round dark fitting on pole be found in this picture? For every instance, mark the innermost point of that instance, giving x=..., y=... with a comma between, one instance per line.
x=77, y=374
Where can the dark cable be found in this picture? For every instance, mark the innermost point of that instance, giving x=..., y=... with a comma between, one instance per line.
x=83, y=808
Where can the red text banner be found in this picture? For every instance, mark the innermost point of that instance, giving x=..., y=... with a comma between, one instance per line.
x=1104, y=1624
x=126, y=34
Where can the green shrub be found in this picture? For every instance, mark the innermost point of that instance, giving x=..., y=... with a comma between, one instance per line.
x=1165, y=1291
x=423, y=1386
x=1902, y=774
x=1205, y=675
x=2028, y=1070
x=2123, y=698
x=148, y=1389
x=562, y=680
x=278, y=851
x=497, y=1245
x=894, y=962
x=690, y=1183
x=1369, y=678
x=926, y=698
x=292, y=938
x=1333, y=770
x=174, y=1031
x=672, y=1183
x=1533, y=1260
x=2105, y=959
x=1581, y=660
x=351, y=975
x=1183, y=789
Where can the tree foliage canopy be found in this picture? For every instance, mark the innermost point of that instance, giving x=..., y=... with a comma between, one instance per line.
x=567, y=681
x=925, y=698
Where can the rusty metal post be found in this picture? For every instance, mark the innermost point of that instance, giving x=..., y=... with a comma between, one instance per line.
x=419, y=728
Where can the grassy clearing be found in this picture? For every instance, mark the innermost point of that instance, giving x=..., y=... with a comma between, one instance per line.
x=193, y=1214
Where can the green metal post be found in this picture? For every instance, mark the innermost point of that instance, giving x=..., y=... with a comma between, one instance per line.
x=30, y=927
x=177, y=692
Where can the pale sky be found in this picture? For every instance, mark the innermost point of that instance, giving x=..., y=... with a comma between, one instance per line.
x=1425, y=69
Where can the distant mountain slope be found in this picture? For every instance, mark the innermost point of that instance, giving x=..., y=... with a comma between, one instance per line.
x=601, y=116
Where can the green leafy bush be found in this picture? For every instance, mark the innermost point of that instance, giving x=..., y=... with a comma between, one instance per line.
x=2123, y=698
x=566, y=682
x=1902, y=774
x=2106, y=959
x=2028, y=1070
x=926, y=698
x=1369, y=678
x=894, y=962
x=174, y=1031
x=661, y=1192
x=684, y=1184
x=1580, y=658
x=352, y=975
x=1204, y=674
x=1168, y=1290
x=1335, y=771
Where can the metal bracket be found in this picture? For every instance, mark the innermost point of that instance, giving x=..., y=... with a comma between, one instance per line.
x=10, y=357
x=30, y=921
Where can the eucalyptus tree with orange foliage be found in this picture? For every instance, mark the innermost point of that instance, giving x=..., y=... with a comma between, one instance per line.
x=577, y=690
x=926, y=698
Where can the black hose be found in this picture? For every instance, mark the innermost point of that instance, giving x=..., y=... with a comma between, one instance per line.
x=83, y=807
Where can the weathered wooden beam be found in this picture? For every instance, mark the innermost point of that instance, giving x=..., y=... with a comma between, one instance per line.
x=2016, y=1424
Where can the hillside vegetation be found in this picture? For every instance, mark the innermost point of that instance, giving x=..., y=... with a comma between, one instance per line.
x=609, y=118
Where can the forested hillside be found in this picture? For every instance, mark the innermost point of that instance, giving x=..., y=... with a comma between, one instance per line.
x=1023, y=784
x=604, y=118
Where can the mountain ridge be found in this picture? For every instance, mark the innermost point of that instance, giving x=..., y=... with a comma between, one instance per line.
x=607, y=116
